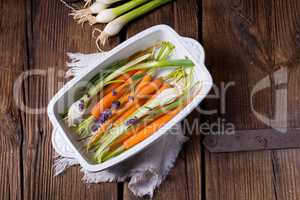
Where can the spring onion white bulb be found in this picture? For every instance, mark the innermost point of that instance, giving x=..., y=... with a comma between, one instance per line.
x=114, y=27
x=85, y=14
x=107, y=15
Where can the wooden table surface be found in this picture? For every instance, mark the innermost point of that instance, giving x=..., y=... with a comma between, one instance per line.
x=245, y=40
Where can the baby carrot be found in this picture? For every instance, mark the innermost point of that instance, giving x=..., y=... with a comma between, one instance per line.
x=121, y=78
x=146, y=80
x=147, y=90
x=150, y=88
x=128, y=109
x=144, y=133
x=107, y=100
x=150, y=129
x=116, y=120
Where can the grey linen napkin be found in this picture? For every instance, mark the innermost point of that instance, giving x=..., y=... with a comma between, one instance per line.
x=146, y=170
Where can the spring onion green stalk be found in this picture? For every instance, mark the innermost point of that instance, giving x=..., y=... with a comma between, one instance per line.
x=117, y=73
x=79, y=107
x=165, y=97
x=107, y=15
x=115, y=26
x=165, y=50
x=84, y=14
x=163, y=64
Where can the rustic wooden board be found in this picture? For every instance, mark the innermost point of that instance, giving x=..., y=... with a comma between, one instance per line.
x=244, y=40
x=236, y=36
x=274, y=46
x=13, y=61
x=286, y=36
x=52, y=33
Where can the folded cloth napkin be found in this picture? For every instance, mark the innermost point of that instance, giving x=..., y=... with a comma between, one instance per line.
x=145, y=170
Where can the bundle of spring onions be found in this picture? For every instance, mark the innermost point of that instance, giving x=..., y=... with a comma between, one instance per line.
x=133, y=100
x=101, y=11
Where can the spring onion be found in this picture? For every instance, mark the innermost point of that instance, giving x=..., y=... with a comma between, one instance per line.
x=83, y=15
x=115, y=26
x=107, y=15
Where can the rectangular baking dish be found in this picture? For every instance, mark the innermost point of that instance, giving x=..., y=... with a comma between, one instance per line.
x=184, y=47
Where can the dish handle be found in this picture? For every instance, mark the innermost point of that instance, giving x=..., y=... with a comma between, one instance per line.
x=194, y=48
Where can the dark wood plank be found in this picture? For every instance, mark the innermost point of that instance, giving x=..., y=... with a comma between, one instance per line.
x=286, y=45
x=253, y=140
x=187, y=23
x=237, y=38
x=176, y=184
x=13, y=61
x=51, y=34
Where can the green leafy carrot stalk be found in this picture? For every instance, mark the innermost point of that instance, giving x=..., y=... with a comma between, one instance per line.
x=107, y=15
x=115, y=26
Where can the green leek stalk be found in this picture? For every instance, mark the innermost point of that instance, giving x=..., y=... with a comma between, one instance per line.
x=115, y=26
x=107, y=15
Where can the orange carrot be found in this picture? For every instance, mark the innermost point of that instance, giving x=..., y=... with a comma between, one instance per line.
x=141, y=135
x=126, y=135
x=107, y=100
x=129, y=108
x=123, y=77
x=146, y=80
x=149, y=89
x=150, y=129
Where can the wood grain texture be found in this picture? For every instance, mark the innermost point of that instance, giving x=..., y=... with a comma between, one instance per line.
x=236, y=35
x=245, y=41
x=52, y=33
x=286, y=44
x=184, y=13
x=13, y=61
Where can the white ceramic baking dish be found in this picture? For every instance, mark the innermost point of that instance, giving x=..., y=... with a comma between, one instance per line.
x=184, y=47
